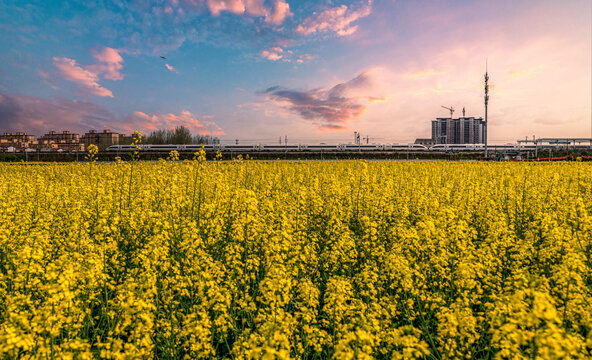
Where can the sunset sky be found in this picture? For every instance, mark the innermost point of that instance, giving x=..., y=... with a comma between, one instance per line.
x=311, y=70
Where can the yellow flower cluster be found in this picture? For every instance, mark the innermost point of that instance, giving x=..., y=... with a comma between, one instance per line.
x=292, y=260
x=92, y=153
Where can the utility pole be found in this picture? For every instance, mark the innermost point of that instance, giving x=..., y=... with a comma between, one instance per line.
x=285, y=139
x=486, y=102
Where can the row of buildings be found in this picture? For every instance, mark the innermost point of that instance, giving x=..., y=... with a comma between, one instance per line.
x=64, y=141
x=462, y=130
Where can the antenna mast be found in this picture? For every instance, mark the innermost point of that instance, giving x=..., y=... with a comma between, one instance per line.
x=486, y=102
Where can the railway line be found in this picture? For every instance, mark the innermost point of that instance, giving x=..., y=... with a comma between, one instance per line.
x=344, y=148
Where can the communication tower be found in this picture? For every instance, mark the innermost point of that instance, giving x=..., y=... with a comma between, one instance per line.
x=486, y=102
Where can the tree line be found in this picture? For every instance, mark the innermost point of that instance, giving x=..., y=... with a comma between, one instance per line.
x=179, y=136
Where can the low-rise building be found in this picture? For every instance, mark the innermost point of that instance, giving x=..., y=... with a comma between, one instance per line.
x=18, y=140
x=65, y=141
x=101, y=139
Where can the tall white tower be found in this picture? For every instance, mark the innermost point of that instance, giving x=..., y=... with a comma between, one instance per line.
x=486, y=102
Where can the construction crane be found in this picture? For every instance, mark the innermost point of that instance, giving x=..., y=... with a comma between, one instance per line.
x=449, y=109
x=368, y=138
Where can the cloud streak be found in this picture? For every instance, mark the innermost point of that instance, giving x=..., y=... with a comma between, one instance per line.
x=171, y=68
x=337, y=19
x=329, y=109
x=108, y=66
x=87, y=79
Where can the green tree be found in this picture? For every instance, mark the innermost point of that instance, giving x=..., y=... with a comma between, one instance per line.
x=179, y=136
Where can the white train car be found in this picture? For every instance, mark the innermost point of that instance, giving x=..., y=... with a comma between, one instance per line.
x=320, y=147
x=196, y=147
x=501, y=148
x=125, y=147
x=240, y=148
x=457, y=147
x=164, y=148
x=280, y=148
x=360, y=147
x=439, y=147
x=408, y=147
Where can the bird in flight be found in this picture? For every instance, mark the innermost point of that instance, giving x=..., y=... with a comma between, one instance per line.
x=162, y=57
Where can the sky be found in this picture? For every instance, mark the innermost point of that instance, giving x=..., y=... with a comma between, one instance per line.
x=314, y=71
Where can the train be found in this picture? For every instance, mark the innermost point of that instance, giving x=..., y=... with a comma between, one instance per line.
x=448, y=148
x=270, y=148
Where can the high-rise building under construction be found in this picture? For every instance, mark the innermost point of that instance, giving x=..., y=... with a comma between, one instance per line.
x=463, y=130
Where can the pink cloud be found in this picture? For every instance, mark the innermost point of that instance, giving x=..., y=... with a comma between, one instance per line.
x=274, y=53
x=255, y=7
x=156, y=121
x=233, y=6
x=329, y=109
x=171, y=68
x=281, y=10
x=305, y=57
x=108, y=67
x=107, y=55
x=111, y=63
x=337, y=19
x=85, y=78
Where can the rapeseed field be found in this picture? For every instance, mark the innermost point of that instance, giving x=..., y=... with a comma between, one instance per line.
x=303, y=260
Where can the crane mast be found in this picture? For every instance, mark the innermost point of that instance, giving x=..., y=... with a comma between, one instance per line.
x=451, y=109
